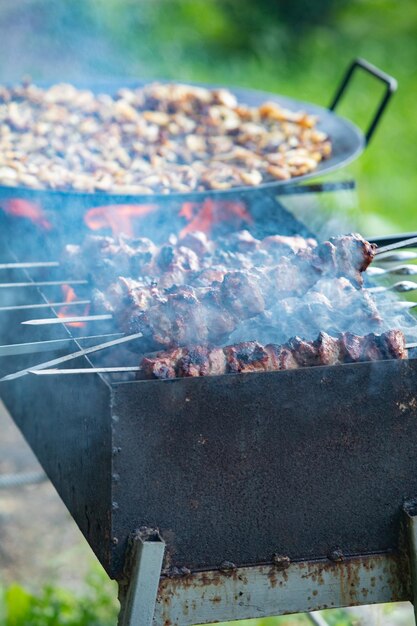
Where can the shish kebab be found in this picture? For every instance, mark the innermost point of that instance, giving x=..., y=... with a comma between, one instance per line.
x=339, y=249
x=56, y=362
x=192, y=301
x=251, y=356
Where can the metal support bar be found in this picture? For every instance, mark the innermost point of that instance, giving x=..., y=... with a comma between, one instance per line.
x=264, y=590
x=317, y=619
x=410, y=510
x=138, y=601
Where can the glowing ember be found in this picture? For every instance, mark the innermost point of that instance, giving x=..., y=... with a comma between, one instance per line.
x=205, y=216
x=119, y=218
x=30, y=210
x=71, y=296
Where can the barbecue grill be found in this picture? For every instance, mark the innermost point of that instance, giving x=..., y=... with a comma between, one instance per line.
x=307, y=500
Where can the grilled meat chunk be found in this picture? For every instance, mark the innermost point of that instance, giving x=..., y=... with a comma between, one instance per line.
x=251, y=356
x=347, y=255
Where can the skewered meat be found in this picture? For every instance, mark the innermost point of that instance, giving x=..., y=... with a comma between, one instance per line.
x=175, y=263
x=159, y=138
x=242, y=304
x=254, y=357
x=175, y=296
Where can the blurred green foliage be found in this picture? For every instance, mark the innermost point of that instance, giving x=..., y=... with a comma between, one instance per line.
x=298, y=48
x=54, y=606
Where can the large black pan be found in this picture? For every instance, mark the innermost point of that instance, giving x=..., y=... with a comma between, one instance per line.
x=348, y=141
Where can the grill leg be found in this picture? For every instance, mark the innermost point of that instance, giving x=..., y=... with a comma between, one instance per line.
x=138, y=599
x=410, y=510
x=316, y=619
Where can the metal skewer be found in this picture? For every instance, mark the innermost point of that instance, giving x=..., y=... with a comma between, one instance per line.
x=43, y=283
x=403, y=286
x=399, y=270
x=401, y=305
x=398, y=257
x=28, y=265
x=88, y=370
x=398, y=245
x=67, y=320
x=73, y=355
x=110, y=370
x=33, y=347
x=43, y=305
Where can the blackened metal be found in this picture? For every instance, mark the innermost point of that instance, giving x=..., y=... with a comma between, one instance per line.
x=390, y=88
x=304, y=464
x=69, y=429
x=336, y=555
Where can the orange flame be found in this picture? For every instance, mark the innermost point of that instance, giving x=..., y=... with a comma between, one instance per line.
x=204, y=216
x=71, y=296
x=30, y=210
x=118, y=217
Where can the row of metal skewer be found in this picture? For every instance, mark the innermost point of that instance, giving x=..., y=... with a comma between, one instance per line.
x=387, y=256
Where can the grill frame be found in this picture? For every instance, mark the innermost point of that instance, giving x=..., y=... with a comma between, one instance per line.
x=109, y=479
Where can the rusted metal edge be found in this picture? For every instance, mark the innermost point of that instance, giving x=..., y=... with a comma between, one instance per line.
x=261, y=591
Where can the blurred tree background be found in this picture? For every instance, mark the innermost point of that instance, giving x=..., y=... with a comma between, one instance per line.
x=297, y=48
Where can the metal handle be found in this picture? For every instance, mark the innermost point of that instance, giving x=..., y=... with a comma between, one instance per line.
x=389, y=81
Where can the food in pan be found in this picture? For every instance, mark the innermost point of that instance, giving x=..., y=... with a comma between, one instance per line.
x=251, y=356
x=161, y=138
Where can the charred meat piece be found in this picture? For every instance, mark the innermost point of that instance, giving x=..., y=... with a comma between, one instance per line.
x=392, y=345
x=251, y=356
x=279, y=245
x=347, y=255
x=244, y=357
x=201, y=361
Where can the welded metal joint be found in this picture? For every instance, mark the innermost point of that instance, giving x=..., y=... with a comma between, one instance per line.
x=410, y=513
x=138, y=598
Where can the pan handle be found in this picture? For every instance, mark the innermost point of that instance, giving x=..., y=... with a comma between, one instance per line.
x=389, y=81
